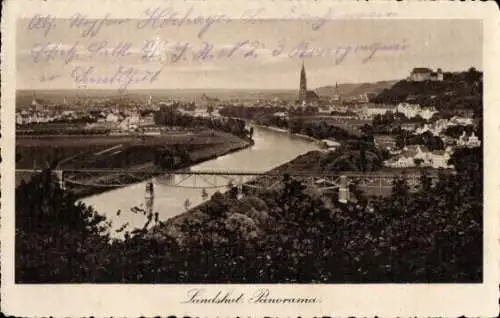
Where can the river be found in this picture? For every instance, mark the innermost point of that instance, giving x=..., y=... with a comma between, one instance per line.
x=271, y=149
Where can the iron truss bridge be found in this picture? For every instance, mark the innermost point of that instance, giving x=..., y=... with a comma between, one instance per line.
x=211, y=179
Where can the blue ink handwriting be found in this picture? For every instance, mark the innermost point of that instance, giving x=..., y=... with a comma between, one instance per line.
x=90, y=26
x=318, y=21
x=178, y=51
x=46, y=52
x=173, y=52
x=104, y=49
x=124, y=76
x=305, y=50
x=159, y=18
x=45, y=23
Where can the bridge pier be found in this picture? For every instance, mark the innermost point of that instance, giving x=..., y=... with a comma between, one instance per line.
x=60, y=179
x=149, y=196
x=239, y=188
x=344, y=194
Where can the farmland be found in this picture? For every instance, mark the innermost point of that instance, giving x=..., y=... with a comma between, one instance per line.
x=99, y=151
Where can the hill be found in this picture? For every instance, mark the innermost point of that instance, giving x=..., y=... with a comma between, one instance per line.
x=353, y=89
x=461, y=90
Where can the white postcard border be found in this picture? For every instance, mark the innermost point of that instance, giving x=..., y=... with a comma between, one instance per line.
x=336, y=300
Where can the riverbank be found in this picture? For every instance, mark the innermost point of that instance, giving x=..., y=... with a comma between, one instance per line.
x=196, y=157
x=281, y=130
x=172, y=226
x=305, y=163
x=175, y=193
x=125, y=152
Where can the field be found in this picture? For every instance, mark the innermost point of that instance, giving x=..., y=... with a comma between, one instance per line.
x=80, y=152
x=69, y=150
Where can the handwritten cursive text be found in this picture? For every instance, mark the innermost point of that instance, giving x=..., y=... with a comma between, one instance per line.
x=124, y=76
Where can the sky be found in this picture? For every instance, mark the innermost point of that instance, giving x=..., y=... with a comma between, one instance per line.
x=340, y=51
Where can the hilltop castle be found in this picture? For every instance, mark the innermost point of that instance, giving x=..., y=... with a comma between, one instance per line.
x=420, y=74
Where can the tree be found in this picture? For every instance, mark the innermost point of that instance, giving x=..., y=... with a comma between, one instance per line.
x=425, y=182
x=418, y=161
x=435, y=143
x=210, y=110
x=362, y=158
x=182, y=152
x=400, y=192
x=472, y=75
x=57, y=239
x=217, y=205
x=165, y=158
x=288, y=234
x=355, y=155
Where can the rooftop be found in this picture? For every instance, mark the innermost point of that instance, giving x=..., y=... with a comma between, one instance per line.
x=422, y=70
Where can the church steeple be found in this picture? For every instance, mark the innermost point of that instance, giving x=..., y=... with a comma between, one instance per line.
x=303, y=84
x=34, y=102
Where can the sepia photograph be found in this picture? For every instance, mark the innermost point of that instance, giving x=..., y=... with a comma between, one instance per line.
x=170, y=147
x=231, y=162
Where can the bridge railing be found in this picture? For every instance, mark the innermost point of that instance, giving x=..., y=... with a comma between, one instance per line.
x=378, y=174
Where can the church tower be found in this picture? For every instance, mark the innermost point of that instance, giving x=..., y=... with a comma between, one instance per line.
x=34, y=102
x=303, y=85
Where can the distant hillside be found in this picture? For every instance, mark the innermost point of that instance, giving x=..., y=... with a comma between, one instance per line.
x=353, y=89
x=457, y=90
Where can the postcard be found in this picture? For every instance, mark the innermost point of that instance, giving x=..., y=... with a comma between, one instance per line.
x=249, y=158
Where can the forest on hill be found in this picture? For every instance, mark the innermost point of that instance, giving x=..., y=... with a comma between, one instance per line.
x=353, y=89
x=461, y=90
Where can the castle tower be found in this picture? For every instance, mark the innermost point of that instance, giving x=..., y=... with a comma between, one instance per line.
x=303, y=85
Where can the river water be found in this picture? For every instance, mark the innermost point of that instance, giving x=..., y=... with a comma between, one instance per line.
x=271, y=149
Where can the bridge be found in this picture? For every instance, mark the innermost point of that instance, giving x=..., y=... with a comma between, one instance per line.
x=373, y=182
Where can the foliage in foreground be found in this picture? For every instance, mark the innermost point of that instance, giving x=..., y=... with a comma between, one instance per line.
x=290, y=234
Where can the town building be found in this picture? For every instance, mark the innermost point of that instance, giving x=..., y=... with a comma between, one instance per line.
x=330, y=144
x=420, y=156
x=368, y=111
x=427, y=113
x=409, y=110
x=456, y=120
x=440, y=125
x=413, y=110
x=409, y=126
x=425, y=129
x=281, y=114
x=471, y=141
x=130, y=123
x=385, y=141
x=113, y=118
